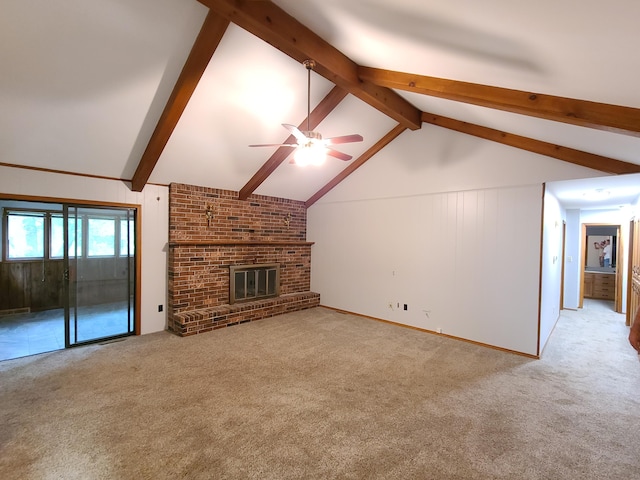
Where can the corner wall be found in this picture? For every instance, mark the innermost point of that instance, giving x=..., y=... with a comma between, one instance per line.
x=449, y=224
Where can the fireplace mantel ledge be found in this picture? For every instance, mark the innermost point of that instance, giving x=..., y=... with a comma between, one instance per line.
x=206, y=243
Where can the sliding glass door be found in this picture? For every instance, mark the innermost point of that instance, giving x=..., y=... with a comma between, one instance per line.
x=99, y=273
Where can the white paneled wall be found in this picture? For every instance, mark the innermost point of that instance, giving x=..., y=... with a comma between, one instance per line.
x=551, y=267
x=466, y=263
x=572, y=260
x=155, y=224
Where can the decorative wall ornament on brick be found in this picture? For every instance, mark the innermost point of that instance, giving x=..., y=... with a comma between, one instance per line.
x=208, y=212
x=241, y=232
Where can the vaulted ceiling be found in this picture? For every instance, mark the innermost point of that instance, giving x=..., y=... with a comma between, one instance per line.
x=167, y=91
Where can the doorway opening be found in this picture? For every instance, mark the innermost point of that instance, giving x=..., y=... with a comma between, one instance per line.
x=601, y=272
x=67, y=275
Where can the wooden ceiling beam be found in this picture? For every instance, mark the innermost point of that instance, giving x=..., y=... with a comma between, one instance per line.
x=380, y=144
x=269, y=22
x=601, y=116
x=206, y=43
x=326, y=106
x=577, y=157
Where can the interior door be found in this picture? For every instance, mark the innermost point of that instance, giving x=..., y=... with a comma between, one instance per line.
x=633, y=292
x=99, y=273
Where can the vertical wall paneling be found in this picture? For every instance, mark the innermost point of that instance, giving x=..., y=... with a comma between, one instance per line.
x=466, y=263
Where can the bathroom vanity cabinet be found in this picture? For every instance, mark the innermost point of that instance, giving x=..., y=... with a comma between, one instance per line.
x=600, y=285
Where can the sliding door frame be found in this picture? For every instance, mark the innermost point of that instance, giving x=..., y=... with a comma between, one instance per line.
x=91, y=203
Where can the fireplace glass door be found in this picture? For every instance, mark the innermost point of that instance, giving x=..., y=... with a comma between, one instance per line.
x=251, y=282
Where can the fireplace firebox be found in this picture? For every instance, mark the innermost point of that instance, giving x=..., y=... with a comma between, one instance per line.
x=252, y=282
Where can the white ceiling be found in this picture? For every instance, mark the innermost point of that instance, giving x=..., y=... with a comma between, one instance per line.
x=84, y=82
x=609, y=192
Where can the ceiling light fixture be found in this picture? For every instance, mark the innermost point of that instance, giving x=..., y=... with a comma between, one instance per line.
x=597, y=194
x=312, y=152
x=312, y=149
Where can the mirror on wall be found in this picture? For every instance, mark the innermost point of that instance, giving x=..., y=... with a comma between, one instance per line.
x=601, y=248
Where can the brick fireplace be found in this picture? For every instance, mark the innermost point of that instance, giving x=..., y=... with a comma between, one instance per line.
x=210, y=231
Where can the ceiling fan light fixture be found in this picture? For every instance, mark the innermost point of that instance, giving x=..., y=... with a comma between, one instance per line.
x=312, y=153
x=311, y=149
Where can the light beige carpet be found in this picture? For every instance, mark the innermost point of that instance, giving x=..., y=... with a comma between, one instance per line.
x=323, y=395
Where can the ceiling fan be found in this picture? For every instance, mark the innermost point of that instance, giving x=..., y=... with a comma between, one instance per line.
x=312, y=148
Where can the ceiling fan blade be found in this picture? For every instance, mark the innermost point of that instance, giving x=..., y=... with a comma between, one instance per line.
x=337, y=154
x=343, y=139
x=295, y=131
x=275, y=145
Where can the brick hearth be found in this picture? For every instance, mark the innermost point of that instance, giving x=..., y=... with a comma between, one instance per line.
x=210, y=230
